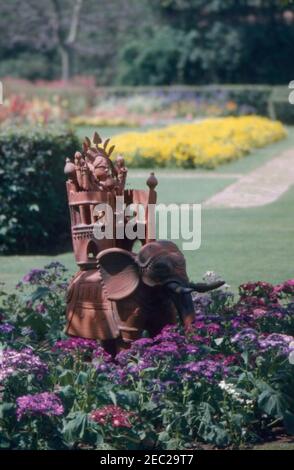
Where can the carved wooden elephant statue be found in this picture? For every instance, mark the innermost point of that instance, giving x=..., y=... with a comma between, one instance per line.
x=130, y=293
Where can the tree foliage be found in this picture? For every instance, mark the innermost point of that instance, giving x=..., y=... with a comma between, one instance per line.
x=149, y=42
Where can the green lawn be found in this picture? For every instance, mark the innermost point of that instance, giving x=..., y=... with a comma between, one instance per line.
x=106, y=132
x=239, y=244
x=182, y=190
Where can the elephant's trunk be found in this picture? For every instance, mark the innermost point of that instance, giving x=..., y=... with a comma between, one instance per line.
x=184, y=305
x=183, y=300
x=181, y=295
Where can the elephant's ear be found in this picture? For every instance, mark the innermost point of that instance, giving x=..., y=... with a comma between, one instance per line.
x=119, y=271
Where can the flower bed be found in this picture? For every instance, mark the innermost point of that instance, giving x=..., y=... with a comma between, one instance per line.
x=19, y=110
x=227, y=382
x=204, y=144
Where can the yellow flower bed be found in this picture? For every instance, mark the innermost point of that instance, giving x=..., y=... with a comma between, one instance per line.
x=207, y=144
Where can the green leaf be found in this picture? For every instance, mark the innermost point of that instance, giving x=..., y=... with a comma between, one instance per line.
x=163, y=436
x=37, y=322
x=6, y=409
x=272, y=403
x=74, y=428
x=245, y=357
x=39, y=293
x=66, y=377
x=127, y=397
x=67, y=392
x=81, y=378
x=99, y=439
x=112, y=397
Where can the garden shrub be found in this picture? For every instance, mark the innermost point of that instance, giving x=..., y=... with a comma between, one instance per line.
x=33, y=209
x=228, y=381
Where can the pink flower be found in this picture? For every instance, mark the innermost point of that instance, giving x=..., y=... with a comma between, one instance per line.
x=40, y=308
x=259, y=312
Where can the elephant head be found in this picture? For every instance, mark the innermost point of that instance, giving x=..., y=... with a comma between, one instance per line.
x=160, y=267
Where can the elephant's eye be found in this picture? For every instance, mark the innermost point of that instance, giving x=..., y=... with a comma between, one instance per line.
x=160, y=266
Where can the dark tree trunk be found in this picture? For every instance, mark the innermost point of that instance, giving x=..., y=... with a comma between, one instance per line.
x=66, y=62
x=66, y=46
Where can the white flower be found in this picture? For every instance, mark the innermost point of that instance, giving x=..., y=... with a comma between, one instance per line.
x=291, y=357
x=211, y=276
x=236, y=395
x=222, y=384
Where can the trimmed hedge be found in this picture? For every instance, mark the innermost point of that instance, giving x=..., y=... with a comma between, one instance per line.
x=33, y=209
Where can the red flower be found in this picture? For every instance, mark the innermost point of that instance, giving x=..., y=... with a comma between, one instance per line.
x=113, y=415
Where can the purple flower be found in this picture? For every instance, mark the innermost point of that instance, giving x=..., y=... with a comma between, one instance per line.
x=27, y=331
x=75, y=345
x=6, y=328
x=40, y=308
x=141, y=344
x=158, y=387
x=191, y=349
x=207, y=369
x=170, y=333
x=236, y=323
x=213, y=328
x=246, y=337
x=100, y=367
x=56, y=265
x=100, y=354
x=119, y=376
x=21, y=361
x=34, y=276
x=163, y=350
x=136, y=368
x=46, y=404
x=124, y=356
x=202, y=301
x=200, y=339
x=276, y=341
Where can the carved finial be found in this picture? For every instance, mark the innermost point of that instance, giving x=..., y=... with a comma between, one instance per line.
x=120, y=161
x=96, y=139
x=69, y=169
x=152, y=181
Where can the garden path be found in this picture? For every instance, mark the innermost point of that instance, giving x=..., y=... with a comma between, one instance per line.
x=259, y=187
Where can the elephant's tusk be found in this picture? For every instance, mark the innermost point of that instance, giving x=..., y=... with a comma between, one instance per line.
x=178, y=289
x=204, y=287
